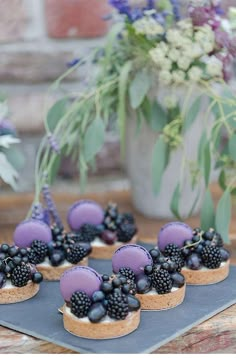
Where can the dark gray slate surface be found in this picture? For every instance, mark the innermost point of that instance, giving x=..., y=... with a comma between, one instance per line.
x=39, y=317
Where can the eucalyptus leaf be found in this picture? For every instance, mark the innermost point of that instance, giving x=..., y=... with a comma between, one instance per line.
x=7, y=140
x=94, y=139
x=222, y=180
x=122, y=90
x=139, y=88
x=175, y=200
x=207, y=212
x=56, y=112
x=7, y=172
x=201, y=147
x=159, y=117
x=232, y=147
x=223, y=216
x=207, y=163
x=15, y=157
x=158, y=163
x=192, y=113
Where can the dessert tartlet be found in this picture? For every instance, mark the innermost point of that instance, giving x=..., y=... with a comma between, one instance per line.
x=106, y=230
x=51, y=249
x=97, y=307
x=204, y=259
x=155, y=279
x=19, y=280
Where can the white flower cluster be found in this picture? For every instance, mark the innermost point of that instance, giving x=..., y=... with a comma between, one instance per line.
x=186, y=54
x=148, y=26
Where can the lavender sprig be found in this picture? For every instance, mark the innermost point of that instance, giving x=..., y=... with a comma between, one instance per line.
x=176, y=9
x=53, y=143
x=51, y=205
x=37, y=212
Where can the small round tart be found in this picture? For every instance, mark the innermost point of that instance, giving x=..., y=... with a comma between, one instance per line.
x=100, y=250
x=156, y=279
x=53, y=273
x=13, y=294
x=106, y=329
x=106, y=230
x=206, y=276
x=153, y=301
x=204, y=259
x=98, y=307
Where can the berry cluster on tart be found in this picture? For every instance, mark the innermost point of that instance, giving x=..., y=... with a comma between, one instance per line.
x=106, y=230
x=98, y=307
x=19, y=280
x=51, y=249
x=204, y=258
x=155, y=278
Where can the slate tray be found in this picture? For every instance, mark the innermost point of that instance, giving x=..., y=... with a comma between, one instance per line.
x=39, y=317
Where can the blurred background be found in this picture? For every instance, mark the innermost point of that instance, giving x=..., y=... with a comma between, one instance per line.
x=37, y=40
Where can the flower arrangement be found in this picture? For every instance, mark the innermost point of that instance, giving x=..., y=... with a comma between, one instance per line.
x=152, y=46
x=11, y=159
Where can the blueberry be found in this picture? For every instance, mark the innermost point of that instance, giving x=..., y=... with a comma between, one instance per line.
x=2, y=256
x=106, y=287
x=143, y=284
x=161, y=260
x=98, y=296
x=7, y=269
x=187, y=242
x=186, y=252
x=178, y=279
x=96, y=312
x=25, y=259
x=196, y=238
x=13, y=251
x=37, y=277
x=224, y=254
x=4, y=248
x=199, y=249
x=172, y=266
x=148, y=269
x=105, y=277
x=17, y=260
x=2, y=279
x=133, y=303
x=194, y=262
x=125, y=288
x=165, y=266
x=155, y=253
x=57, y=257
x=208, y=235
x=23, y=252
x=116, y=282
x=123, y=279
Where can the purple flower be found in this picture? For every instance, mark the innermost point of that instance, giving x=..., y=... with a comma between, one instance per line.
x=53, y=143
x=232, y=47
x=176, y=9
x=6, y=127
x=73, y=62
x=51, y=205
x=222, y=39
x=121, y=5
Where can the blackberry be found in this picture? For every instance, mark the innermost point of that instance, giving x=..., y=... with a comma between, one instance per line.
x=211, y=257
x=80, y=304
x=127, y=272
x=172, y=250
x=128, y=218
x=161, y=281
x=126, y=232
x=117, y=306
x=217, y=240
x=40, y=248
x=179, y=262
x=20, y=275
x=132, y=287
x=89, y=232
x=75, y=254
x=34, y=258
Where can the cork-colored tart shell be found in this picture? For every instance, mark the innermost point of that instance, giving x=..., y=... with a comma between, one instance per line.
x=18, y=294
x=53, y=273
x=101, y=330
x=206, y=277
x=107, y=251
x=162, y=302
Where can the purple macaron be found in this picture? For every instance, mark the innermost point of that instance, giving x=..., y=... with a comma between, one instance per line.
x=174, y=233
x=29, y=230
x=84, y=212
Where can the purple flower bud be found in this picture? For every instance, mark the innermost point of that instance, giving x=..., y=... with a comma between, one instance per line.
x=53, y=143
x=51, y=205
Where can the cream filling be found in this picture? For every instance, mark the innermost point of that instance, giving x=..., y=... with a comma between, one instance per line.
x=8, y=285
x=203, y=268
x=154, y=292
x=106, y=319
x=46, y=263
x=100, y=243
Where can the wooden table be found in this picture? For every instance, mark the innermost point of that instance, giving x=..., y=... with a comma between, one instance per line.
x=216, y=335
